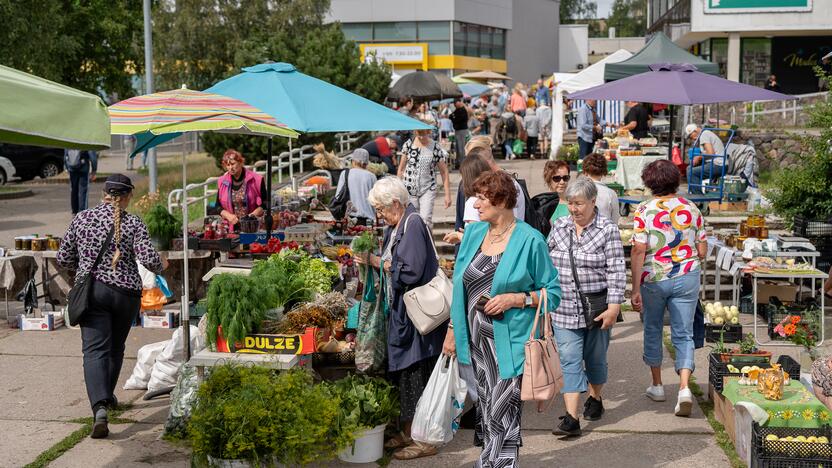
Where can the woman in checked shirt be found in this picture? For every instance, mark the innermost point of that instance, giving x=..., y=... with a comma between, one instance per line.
x=594, y=243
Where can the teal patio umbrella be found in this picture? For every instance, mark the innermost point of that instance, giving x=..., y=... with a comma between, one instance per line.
x=39, y=112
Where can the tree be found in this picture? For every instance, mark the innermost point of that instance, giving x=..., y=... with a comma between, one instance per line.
x=628, y=17
x=572, y=10
x=91, y=45
x=202, y=42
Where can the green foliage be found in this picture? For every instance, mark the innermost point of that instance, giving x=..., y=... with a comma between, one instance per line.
x=366, y=402
x=804, y=191
x=366, y=242
x=571, y=10
x=280, y=274
x=628, y=17
x=568, y=153
x=256, y=414
x=160, y=223
x=748, y=345
x=317, y=274
x=238, y=304
x=92, y=45
x=200, y=42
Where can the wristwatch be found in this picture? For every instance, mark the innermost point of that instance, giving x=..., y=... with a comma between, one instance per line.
x=528, y=300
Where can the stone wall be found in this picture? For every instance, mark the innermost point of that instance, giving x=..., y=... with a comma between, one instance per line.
x=775, y=149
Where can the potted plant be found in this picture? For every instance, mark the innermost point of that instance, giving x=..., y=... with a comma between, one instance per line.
x=746, y=353
x=802, y=330
x=162, y=226
x=569, y=153
x=367, y=405
x=236, y=307
x=252, y=416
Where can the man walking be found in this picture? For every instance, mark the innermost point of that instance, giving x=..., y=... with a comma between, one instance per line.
x=541, y=96
x=459, y=118
x=78, y=164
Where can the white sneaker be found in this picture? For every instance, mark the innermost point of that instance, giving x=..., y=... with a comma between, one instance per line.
x=685, y=402
x=656, y=393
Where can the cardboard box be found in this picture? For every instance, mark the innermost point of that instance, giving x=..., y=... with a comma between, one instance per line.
x=783, y=290
x=49, y=322
x=165, y=320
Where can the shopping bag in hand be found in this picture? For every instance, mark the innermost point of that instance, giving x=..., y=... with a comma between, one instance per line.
x=440, y=406
x=371, y=334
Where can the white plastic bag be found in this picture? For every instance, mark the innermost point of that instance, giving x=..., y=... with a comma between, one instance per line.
x=441, y=404
x=166, y=368
x=144, y=364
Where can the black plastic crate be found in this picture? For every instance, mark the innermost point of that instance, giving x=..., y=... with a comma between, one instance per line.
x=775, y=313
x=790, y=366
x=732, y=334
x=718, y=370
x=805, y=227
x=783, y=454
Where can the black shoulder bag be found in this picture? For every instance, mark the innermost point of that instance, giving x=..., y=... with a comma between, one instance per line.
x=78, y=299
x=338, y=205
x=592, y=304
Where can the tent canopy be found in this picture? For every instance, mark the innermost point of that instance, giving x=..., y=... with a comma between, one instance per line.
x=424, y=86
x=660, y=49
x=40, y=112
x=593, y=75
x=485, y=75
x=307, y=104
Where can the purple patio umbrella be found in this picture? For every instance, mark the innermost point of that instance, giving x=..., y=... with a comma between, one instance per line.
x=678, y=84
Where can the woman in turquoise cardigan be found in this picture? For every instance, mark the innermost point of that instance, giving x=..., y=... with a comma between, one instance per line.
x=507, y=261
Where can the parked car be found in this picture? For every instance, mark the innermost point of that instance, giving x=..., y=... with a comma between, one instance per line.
x=33, y=161
x=7, y=171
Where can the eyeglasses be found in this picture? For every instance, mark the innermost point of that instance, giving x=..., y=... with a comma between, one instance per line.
x=559, y=178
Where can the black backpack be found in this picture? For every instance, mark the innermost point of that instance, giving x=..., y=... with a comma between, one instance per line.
x=510, y=125
x=338, y=205
x=531, y=216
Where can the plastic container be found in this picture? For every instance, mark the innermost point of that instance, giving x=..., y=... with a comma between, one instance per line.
x=367, y=448
x=789, y=366
x=782, y=454
x=733, y=333
x=718, y=370
x=805, y=227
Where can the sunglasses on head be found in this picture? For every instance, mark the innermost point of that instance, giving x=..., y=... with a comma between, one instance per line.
x=559, y=178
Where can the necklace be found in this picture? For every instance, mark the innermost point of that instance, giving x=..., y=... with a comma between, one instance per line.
x=499, y=237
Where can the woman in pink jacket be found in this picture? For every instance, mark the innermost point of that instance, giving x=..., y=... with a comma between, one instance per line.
x=240, y=192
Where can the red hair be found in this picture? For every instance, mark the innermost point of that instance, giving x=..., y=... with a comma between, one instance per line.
x=232, y=155
x=498, y=187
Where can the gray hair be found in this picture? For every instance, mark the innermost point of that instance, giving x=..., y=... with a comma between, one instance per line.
x=583, y=186
x=386, y=191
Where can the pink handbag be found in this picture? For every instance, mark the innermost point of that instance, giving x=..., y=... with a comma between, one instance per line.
x=542, y=374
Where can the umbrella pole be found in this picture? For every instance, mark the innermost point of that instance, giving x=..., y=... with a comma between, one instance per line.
x=184, y=317
x=670, y=134
x=269, y=192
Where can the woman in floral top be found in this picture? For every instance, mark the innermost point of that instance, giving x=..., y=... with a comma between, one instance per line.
x=116, y=288
x=421, y=159
x=668, y=242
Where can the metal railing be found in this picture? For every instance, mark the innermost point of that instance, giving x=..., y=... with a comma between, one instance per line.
x=786, y=108
x=286, y=160
x=739, y=113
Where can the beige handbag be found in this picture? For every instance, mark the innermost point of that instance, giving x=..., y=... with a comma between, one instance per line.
x=429, y=305
x=542, y=374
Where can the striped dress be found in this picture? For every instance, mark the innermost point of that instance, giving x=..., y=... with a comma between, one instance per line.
x=499, y=399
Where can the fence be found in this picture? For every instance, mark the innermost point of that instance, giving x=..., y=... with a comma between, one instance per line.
x=206, y=191
x=765, y=113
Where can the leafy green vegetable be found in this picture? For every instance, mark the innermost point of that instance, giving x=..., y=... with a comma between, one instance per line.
x=318, y=274
x=238, y=304
x=366, y=242
x=281, y=275
x=162, y=224
x=366, y=402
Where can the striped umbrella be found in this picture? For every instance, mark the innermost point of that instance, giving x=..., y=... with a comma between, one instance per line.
x=159, y=117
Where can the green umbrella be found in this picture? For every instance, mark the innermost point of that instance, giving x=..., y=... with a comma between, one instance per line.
x=44, y=113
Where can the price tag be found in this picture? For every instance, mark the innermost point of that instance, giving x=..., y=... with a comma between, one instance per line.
x=720, y=256
x=728, y=259
x=736, y=267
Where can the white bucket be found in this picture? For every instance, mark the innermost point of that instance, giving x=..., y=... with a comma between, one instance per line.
x=367, y=448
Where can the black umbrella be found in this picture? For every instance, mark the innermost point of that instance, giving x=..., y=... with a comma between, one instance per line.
x=424, y=86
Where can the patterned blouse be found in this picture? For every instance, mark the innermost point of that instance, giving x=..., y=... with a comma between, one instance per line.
x=599, y=259
x=87, y=232
x=420, y=167
x=671, y=227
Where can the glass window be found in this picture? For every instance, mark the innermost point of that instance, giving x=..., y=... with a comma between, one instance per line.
x=459, y=38
x=358, y=32
x=439, y=47
x=755, y=60
x=434, y=30
x=486, y=39
x=403, y=31
x=719, y=54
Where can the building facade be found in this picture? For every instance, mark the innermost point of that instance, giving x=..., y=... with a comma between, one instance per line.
x=517, y=37
x=751, y=39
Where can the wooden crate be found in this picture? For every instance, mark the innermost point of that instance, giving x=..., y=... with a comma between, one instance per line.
x=724, y=413
x=728, y=206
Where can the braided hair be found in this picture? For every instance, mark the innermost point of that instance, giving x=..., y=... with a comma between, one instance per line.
x=116, y=188
x=115, y=200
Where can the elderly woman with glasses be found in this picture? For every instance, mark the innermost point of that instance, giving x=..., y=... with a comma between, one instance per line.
x=586, y=249
x=240, y=192
x=407, y=261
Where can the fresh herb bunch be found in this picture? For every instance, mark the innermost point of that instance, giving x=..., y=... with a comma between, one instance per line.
x=238, y=304
x=281, y=275
x=318, y=274
x=160, y=223
x=366, y=402
x=366, y=242
x=257, y=414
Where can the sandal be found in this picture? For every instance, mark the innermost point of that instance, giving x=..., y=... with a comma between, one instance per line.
x=417, y=450
x=399, y=440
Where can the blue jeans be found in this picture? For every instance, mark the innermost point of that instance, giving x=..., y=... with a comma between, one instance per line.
x=508, y=146
x=679, y=295
x=584, y=147
x=703, y=174
x=78, y=184
x=583, y=357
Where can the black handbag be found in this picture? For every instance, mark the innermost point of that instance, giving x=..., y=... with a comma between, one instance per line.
x=78, y=299
x=338, y=205
x=592, y=304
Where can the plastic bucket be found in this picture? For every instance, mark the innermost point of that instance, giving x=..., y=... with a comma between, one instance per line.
x=367, y=448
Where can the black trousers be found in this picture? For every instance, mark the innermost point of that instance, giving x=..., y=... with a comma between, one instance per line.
x=104, y=330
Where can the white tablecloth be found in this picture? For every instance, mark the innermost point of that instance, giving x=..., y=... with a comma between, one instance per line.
x=628, y=172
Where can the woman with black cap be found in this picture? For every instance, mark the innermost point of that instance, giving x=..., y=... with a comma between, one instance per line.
x=123, y=240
